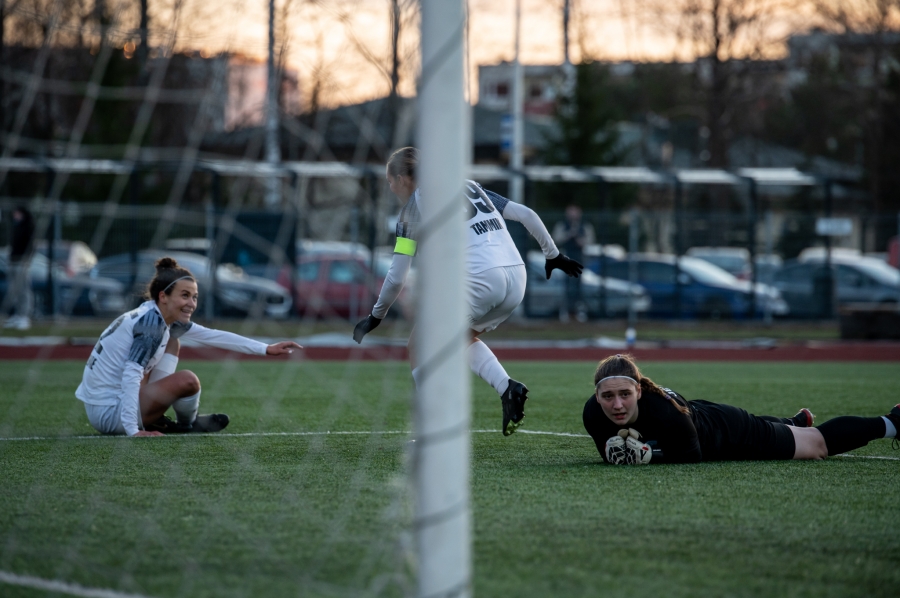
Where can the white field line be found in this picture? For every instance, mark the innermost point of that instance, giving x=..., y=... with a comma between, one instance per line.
x=61, y=587
x=352, y=433
x=255, y=434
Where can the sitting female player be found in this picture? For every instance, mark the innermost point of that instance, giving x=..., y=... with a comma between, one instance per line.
x=130, y=381
x=634, y=421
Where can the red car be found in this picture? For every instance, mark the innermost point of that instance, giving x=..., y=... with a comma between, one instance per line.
x=339, y=285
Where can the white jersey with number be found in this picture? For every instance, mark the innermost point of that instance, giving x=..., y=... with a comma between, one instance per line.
x=488, y=243
x=131, y=347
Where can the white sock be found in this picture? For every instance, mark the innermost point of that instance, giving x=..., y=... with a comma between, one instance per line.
x=484, y=363
x=186, y=408
x=165, y=367
x=416, y=374
x=890, y=430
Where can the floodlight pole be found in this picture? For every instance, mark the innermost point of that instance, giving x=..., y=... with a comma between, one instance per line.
x=516, y=191
x=273, y=149
x=442, y=524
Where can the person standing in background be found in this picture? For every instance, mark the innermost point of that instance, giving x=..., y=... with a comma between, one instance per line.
x=571, y=236
x=19, y=277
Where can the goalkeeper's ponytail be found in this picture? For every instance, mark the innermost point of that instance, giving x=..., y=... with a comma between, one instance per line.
x=624, y=365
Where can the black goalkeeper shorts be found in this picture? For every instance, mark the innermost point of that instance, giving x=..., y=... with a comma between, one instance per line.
x=732, y=434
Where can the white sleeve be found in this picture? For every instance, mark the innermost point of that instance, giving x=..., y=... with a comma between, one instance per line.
x=224, y=340
x=534, y=225
x=393, y=284
x=130, y=398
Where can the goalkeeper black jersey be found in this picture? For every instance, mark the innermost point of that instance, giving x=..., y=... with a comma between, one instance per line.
x=712, y=431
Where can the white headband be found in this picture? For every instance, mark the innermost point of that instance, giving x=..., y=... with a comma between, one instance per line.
x=612, y=377
x=176, y=280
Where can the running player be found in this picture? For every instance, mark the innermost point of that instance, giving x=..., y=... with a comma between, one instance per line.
x=634, y=421
x=130, y=381
x=495, y=273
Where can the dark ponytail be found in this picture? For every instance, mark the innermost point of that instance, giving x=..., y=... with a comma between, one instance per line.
x=167, y=273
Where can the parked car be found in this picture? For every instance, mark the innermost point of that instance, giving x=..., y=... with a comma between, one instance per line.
x=857, y=279
x=693, y=287
x=736, y=260
x=545, y=297
x=236, y=292
x=73, y=256
x=341, y=285
x=78, y=294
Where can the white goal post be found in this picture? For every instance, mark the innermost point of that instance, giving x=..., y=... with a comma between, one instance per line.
x=441, y=454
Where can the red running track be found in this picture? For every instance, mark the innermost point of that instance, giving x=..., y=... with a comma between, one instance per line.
x=882, y=352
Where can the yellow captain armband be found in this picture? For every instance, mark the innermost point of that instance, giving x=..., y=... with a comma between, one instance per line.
x=405, y=246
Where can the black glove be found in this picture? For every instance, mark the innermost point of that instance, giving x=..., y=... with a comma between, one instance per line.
x=567, y=265
x=365, y=327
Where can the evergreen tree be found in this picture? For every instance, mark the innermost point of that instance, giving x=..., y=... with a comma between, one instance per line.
x=586, y=119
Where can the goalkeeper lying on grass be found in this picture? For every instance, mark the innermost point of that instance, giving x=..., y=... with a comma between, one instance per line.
x=633, y=421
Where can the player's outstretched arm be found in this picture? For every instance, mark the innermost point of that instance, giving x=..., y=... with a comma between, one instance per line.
x=564, y=263
x=282, y=348
x=367, y=325
x=532, y=223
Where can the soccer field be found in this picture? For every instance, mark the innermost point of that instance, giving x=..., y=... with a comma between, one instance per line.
x=275, y=506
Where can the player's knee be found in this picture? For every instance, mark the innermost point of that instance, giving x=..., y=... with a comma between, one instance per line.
x=190, y=383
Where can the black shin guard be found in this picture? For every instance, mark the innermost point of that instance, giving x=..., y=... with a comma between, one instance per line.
x=849, y=432
x=778, y=420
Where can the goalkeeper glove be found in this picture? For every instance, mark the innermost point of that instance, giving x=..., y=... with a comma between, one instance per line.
x=626, y=448
x=566, y=264
x=365, y=327
x=637, y=452
x=616, y=453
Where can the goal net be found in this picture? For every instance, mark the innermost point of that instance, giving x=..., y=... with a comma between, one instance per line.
x=133, y=131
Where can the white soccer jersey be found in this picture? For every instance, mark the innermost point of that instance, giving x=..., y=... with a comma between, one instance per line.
x=131, y=347
x=488, y=243
x=488, y=246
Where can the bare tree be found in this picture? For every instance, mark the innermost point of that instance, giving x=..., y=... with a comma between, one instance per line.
x=869, y=40
x=727, y=38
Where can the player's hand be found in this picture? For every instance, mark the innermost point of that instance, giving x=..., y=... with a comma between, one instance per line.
x=566, y=264
x=616, y=453
x=145, y=433
x=282, y=348
x=639, y=453
x=365, y=327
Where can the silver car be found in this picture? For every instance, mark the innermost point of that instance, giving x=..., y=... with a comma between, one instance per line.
x=236, y=292
x=545, y=297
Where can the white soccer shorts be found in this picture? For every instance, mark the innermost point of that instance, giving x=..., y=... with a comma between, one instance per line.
x=493, y=295
x=107, y=419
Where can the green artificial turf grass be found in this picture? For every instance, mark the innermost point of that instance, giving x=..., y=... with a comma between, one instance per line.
x=328, y=515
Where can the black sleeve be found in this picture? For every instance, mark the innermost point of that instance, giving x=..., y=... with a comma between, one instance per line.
x=675, y=433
